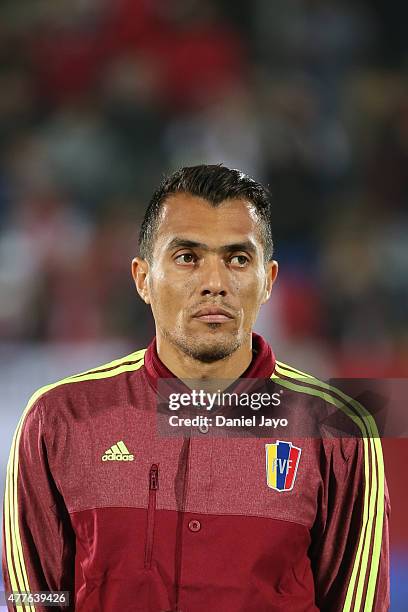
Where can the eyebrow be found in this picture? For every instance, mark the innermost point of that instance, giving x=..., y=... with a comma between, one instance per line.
x=246, y=245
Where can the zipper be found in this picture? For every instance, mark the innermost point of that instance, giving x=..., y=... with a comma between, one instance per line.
x=183, y=475
x=151, y=510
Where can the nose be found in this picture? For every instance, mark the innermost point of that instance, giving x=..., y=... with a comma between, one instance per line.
x=213, y=276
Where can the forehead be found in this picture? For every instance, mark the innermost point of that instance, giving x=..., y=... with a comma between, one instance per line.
x=187, y=216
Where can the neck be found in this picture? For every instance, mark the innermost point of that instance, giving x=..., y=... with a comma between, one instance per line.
x=184, y=366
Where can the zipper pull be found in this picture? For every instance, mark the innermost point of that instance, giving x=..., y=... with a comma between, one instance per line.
x=154, y=477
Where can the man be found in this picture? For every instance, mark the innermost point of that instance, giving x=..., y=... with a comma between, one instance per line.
x=99, y=504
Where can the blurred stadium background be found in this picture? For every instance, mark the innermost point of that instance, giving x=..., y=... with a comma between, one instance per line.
x=99, y=98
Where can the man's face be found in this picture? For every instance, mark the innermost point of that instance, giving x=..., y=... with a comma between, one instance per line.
x=207, y=278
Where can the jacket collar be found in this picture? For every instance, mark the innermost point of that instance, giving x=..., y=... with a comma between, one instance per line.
x=261, y=366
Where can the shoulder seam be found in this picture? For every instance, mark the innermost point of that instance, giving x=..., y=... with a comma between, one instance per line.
x=136, y=356
x=323, y=390
x=103, y=371
x=286, y=366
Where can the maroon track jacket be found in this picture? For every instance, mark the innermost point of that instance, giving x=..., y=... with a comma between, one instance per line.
x=98, y=504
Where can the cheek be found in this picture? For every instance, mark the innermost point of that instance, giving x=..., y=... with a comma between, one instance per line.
x=166, y=297
x=251, y=294
x=171, y=286
x=251, y=286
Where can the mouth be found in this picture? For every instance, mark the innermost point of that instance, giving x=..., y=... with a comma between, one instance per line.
x=213, y=314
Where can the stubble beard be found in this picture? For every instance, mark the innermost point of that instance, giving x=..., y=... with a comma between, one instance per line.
x=206, y=351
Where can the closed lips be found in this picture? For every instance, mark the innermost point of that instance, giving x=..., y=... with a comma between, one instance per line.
x=214, y=314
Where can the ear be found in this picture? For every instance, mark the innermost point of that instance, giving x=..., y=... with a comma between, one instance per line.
x=140, y=273
x=271, y=274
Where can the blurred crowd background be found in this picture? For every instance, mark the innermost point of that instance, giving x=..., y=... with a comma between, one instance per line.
x=99, y=98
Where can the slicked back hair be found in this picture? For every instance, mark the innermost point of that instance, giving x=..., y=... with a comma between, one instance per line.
x=215, y=183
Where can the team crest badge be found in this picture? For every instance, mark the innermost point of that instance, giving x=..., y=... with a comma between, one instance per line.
x=282, y=460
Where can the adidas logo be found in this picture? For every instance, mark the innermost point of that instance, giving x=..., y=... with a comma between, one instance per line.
x=118, y=452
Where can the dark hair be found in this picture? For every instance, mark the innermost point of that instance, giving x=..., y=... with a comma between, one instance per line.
x=215, y=183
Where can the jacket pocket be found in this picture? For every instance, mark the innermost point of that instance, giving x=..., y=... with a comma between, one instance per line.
x=151, y=511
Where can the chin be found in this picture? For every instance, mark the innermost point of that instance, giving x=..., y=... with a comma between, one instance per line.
x=210, y=347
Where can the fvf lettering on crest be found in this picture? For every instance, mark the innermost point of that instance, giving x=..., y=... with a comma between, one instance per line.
x=280, y=465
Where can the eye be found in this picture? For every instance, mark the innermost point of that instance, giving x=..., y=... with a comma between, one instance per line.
x=239, y=260
x=184, y=259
